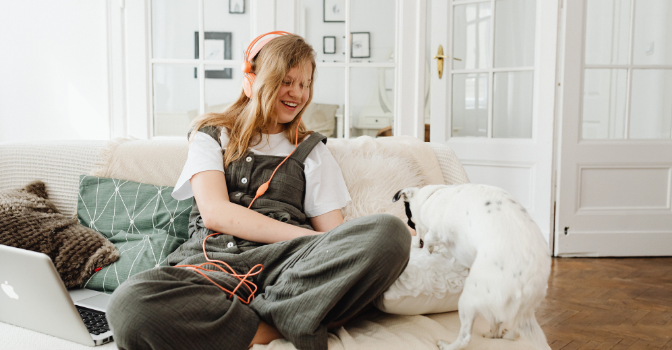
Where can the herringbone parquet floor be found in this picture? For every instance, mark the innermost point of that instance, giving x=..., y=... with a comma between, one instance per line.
x=608, y=303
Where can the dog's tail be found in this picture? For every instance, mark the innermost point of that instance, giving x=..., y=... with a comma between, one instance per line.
x=530, y=329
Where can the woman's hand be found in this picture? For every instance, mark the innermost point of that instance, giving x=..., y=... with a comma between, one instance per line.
x=220, y=215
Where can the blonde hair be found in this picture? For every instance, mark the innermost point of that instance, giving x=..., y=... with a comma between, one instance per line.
x=246, y=119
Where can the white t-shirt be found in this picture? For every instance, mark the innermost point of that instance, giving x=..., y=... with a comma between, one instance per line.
x=325, y=187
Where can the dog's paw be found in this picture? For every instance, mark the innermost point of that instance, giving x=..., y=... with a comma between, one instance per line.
x=492, y=335
x=510, y=335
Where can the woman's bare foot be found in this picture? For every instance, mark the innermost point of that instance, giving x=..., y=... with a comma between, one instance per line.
x=265, y=334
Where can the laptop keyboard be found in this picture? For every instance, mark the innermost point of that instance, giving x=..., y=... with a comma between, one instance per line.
x=95, y=321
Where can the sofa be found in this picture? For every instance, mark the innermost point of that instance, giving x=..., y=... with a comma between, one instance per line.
x=60, y=163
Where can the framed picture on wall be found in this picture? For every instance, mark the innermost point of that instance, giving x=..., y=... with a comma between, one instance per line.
x=237, y=6
x=216, y=46
x=329, y=44
x=359, y=45
x=334, y=10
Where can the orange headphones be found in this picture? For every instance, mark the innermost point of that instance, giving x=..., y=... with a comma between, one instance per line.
x=252, y=52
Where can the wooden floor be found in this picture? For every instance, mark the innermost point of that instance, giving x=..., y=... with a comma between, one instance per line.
x=608, y=303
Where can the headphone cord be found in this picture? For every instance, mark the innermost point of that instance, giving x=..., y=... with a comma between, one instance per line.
x=251, y=287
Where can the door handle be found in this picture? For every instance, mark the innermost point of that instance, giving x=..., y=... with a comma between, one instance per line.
x=439, y=60
x=439, y=57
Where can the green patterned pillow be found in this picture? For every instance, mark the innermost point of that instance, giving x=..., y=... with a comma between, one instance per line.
x=110, y=206
x=143, y=221
x=138, y=252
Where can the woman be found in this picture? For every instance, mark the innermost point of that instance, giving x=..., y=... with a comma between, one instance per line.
x=317, y=271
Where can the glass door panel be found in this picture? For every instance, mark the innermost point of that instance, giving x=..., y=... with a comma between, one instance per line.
x=325, y=112
x=369, y=68
x=471, y=36
x=607, y=31
x=514, y=33
x=223, y=86
x=176, y=94
x=470, y=105
x=224, y=29
x=475, y=49
x=371, y=100
x=651, y=106
x=623, y=97
x=372, y=40
x=604, y=98
x=324, y=29
x=173, y=25
x=512, y=104
x=653, y=32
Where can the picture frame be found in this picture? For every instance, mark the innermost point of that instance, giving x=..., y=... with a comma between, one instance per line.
x=237, y=6
x=360, y=45
x=333, y=11
x=329, y=44
x=216, y=46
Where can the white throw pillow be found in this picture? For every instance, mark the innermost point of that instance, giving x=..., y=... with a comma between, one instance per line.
x=420, y=305
x=431, y=283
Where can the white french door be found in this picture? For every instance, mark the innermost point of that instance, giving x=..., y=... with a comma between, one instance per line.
x=494, y=104
x=615, y=179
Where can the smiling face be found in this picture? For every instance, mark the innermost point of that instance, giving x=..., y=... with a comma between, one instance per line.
x=293, y=94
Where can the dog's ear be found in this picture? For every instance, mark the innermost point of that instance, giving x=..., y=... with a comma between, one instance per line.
x=408, y=193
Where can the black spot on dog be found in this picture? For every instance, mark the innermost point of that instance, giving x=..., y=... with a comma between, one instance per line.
x=487, y=203
x=523, y=210
x=488, y=290
x=499, y=202
x=488, y=211
x=512, y=201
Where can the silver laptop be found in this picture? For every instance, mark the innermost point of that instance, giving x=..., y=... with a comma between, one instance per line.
x=33, y=296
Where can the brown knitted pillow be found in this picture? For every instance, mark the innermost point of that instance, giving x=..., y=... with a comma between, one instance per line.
x=28, y=220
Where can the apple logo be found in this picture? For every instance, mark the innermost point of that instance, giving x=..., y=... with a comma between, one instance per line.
x=9, y=290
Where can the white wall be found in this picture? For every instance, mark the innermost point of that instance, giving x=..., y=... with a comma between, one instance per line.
x=53, y=70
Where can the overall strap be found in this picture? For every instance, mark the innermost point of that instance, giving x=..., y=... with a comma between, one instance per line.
x=307, y=145
x=212, y=131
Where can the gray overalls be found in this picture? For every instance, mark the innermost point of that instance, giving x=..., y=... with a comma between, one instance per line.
x=306, y=283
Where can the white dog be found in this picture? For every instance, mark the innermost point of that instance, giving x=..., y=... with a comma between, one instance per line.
x=491, y=233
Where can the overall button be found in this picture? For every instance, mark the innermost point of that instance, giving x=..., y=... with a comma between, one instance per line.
x=243, y=180
x=239, y=194
x=248, y=159
x=229, y=245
